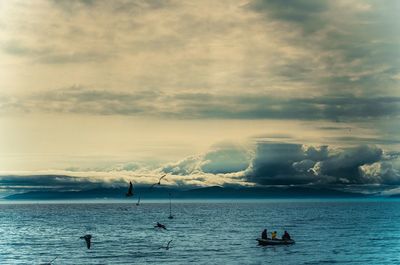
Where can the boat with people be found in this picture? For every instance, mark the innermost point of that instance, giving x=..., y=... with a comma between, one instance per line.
x=270, y=242
x=265, y=240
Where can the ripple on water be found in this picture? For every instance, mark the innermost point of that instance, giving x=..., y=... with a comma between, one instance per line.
x=202, y=233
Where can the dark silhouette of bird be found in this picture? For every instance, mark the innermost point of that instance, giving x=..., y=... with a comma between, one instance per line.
x=167, y=247
x=158, y=225
x=88, y=239
x=159, y=181
x=130, y=190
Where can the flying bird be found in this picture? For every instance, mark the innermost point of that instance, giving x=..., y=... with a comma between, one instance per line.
x=159, y=181
x=87, y=238
x=158, y=225
x=130, y=190
x=167, y=247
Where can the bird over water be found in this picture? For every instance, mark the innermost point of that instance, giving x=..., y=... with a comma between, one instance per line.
x=167, y=246
x=159, y=181
x=88, y=239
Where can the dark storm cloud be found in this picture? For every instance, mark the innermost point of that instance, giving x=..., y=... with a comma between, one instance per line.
x=304, y=13
x=340, y=59
x=291, y=164
x=285, y=163
x=100, y=102
x=383, y=172
x=355, y=42
x=53, y=182
x=346, y=164
x=271, y=163
x=203, y=105
x=267, y=107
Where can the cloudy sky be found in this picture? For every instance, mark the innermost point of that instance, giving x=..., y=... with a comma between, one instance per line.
x=247, y=92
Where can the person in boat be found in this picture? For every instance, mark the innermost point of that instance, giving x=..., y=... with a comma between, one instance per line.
x=273, y=235
x=264, y=234
x=286, y=236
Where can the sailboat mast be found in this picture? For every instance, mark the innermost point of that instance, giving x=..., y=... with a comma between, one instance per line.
x=170, y=213
x=170, y=208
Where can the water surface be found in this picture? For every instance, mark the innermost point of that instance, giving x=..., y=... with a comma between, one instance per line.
x=340, y=232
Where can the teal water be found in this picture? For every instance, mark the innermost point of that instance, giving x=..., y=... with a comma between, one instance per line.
x=326, y=232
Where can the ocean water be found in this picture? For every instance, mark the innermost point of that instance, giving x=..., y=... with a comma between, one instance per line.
x=326, y=232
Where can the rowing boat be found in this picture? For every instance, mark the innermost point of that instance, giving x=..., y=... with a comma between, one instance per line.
x=265, y=242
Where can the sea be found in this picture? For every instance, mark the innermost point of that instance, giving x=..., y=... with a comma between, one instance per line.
x=202, y=232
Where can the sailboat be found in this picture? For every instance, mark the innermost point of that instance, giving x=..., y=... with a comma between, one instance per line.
x=138, y=202
x=170, y=209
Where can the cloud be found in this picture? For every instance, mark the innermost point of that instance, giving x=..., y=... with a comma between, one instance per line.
x=285, y=163
x=391, y=192
x=266, y=59
x=353, y=41
x=337, y=48
x=367, y=140
x=225, y=159
x=55, y=182
x=345, y=165
x=71, y=7
x=358, y=168
x=382, y=172
x=74, y=57
x=304, y=13
x=221, y=159
x=291, y=164
x=81, y=100
x=186, y=166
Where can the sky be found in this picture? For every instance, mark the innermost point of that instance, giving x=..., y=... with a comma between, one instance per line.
x=230, y=93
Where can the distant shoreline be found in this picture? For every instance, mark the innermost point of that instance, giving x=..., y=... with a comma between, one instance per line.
x=211, y=200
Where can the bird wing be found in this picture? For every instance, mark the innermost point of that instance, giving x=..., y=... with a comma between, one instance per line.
x=87, y=242
x=162, y=177
x=169, y=243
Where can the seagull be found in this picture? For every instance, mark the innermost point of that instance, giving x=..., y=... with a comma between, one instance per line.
x=159, y=181
x=49, y=263
x=167, y=247
x=87, y=239
x=130, y=190
x=160, y=226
